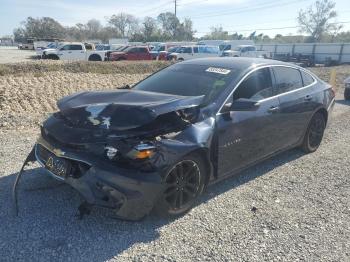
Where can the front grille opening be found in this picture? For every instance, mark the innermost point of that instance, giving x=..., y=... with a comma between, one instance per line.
x=78, y=169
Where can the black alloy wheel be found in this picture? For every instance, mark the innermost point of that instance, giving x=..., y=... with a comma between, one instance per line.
x=314, y=134
x=184, y=183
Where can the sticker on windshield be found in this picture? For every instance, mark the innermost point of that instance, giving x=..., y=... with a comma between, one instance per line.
x=217, y=70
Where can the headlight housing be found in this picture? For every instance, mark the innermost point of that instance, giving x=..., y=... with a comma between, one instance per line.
x=142, y=151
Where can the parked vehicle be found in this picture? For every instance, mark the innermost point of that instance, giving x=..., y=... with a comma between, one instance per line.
x=164, y=47
x=132, y=53
x=73, y=51
x=29, y=44
x=195, y=51
x=347, y=88
x=232, y=44
x=159, y=144
x=39, y=50
x=165, y=55
x=246, y=51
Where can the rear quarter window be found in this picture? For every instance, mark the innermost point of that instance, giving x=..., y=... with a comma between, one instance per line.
x=307, y=78
x=287, y=79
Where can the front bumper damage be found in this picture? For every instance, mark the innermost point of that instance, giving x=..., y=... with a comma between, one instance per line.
x=131, y=193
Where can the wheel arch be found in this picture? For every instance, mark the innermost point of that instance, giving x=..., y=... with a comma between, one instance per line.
x=204, y=153
x=95, y=55
x=324, y=112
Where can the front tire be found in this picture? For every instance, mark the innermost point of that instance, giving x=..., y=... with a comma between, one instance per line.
x=347, y=94
x=184, y=183
x=314, y=133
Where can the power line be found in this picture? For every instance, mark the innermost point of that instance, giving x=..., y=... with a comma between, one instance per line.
x=248, y=9
x=273, y=28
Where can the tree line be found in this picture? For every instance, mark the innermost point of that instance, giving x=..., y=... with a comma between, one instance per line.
x=317, y=23
x=163, y=28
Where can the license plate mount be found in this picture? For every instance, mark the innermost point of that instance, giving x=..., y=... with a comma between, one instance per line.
x=58, y=166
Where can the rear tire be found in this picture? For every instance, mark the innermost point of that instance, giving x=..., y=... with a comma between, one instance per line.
x=314, y=133
x=95, y=58
x=347, y=94
x=180, y=59
x=185, y=182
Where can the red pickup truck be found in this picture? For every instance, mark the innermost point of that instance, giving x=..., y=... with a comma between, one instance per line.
x=132, y=53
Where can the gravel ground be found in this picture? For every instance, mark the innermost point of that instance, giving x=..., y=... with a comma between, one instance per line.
x=14, y=55
x=301, y=203
x=26, y=99
x=292, y=207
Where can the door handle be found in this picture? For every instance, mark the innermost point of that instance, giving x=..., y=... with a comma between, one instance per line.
x=273, y=109
x=307, y=98
x=69, y=52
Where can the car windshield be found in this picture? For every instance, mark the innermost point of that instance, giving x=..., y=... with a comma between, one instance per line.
x=189, y=80
x=237, y=48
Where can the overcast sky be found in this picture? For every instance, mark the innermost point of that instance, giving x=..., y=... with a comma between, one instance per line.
x=243, y=16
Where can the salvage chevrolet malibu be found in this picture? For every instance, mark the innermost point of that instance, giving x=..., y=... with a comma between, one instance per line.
x=159, y=144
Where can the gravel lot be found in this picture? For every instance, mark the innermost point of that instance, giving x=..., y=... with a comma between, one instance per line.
x=14, y=55
x=302, y=205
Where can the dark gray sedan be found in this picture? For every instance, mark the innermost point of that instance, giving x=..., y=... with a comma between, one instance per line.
x=158, y=144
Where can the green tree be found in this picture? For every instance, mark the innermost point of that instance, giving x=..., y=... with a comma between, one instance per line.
x=45, y=27
x=170, y=23
x=317, y=19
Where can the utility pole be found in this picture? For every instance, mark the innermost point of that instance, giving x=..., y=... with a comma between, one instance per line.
x=175, y=6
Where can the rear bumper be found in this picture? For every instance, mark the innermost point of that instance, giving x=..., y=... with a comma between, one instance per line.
x=131, y=193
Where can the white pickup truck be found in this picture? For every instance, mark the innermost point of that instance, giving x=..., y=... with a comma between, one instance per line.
x=246, y=51
x=195, y=51
x=73, y=51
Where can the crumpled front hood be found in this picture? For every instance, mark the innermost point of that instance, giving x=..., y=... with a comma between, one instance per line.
x=121, y=109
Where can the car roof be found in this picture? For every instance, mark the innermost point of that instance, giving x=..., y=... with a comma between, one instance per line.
x=234, y=62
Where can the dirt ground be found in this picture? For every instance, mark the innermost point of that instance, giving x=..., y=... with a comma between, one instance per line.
x=14, y=55
x=300, y=201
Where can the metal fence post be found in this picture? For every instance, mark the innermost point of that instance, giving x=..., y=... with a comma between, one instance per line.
x=341, y=53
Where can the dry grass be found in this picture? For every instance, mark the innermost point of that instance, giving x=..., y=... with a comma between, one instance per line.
x=44, y=66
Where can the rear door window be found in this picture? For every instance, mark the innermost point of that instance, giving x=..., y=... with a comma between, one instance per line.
x=287, y=79
x=307, y=78
x=256, y=86
x=76, y=47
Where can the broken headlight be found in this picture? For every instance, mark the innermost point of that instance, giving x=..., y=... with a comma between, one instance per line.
x=142, y=151
x=111, y=152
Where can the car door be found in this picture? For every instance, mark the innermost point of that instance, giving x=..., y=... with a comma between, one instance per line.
x=71, y=52
x=247, y=135
x=143, y=53
x=187, y=53
x=77, y=52
x=296, y=102
x=65, y=52
x=132, y=54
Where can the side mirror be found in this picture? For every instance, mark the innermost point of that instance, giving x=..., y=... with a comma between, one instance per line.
x=244, y=104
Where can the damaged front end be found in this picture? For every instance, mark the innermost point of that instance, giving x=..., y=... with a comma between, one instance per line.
x=115, y=147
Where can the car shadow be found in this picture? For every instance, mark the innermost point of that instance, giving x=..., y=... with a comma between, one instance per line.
x=47, y=226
